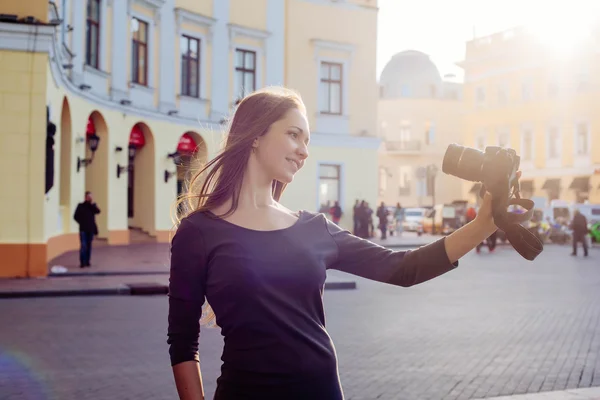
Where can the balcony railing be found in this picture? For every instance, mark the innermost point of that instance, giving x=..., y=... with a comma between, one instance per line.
x=403, y=145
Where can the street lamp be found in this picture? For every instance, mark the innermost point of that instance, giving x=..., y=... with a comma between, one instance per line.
x=176, y=156
x=432, y=171
x=131, y=155
x=93, y=141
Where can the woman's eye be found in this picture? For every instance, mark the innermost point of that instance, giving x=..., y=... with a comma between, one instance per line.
x=294, y=135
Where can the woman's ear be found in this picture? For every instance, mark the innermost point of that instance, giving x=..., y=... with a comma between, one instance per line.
x=255, y=143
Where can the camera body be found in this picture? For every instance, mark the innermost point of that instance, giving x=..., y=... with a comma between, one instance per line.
x=496, y=168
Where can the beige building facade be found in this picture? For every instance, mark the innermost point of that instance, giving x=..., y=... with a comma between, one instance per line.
x=129, y=87
x=419, y=115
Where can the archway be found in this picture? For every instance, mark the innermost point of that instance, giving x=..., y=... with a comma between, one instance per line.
x=96, y=168
x=141, y=194
x=64, y=200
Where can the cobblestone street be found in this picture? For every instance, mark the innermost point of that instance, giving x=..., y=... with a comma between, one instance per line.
x=498, y=325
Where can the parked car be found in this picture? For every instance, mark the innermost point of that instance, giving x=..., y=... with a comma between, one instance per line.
x=443, y=217
x=413, y=219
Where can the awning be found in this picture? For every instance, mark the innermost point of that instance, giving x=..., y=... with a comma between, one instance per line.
x=187, y=144
x=551, y=184
x=136, y=137
x=526, y=186
x=581, y=183
x=475, y=188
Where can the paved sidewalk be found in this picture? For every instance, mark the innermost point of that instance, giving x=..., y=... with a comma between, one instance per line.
x=574, y=394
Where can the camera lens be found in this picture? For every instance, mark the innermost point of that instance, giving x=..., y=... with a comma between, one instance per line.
x=463, y=162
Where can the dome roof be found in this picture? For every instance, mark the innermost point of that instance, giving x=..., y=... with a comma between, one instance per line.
x=410, y=73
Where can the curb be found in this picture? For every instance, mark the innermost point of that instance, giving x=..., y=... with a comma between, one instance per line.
x=131, y=289
x=105, y=273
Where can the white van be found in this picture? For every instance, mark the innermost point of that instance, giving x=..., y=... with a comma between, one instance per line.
x=413, y=219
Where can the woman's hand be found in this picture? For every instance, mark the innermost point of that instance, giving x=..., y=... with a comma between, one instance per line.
x=484, y=216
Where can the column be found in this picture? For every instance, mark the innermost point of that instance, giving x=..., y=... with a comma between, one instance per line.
x=275, y=45
x=166, y=77
x=120, y=51
x=220, y=61
x=78, y=18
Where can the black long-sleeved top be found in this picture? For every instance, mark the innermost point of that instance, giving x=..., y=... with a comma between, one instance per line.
x=266, y=290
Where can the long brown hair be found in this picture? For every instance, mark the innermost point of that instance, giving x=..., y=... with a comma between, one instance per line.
x=221, y=178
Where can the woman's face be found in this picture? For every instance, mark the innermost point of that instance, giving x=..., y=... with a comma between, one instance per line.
x=282, y=150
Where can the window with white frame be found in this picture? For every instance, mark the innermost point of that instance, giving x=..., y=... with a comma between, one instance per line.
x=526, y=91
x=92, y=34
x=553, y=88
x=480, y=95
x=527, y=146
x=581, y=139
x=404, y=132
x=429, y=132
x=404, y=175
x=405, y=90
x=480, y=142
x=190, y=65
x=245, y=72
x=139, y=52
x=503, y=137
x=502, y=95
x=329, y=183
x=553, y=142
x=382, y=181
x=331, y=88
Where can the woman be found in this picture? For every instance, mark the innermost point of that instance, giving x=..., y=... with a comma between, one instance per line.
x=262, y=267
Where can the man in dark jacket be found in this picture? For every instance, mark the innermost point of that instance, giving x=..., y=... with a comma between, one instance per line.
x=580, y=230
x=85, y=215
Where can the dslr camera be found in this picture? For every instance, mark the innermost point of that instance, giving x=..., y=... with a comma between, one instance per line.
x=496, y=168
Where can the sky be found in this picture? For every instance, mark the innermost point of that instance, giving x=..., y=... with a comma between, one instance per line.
x=441, y=28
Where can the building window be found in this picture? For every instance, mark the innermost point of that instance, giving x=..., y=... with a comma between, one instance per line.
x=92, y=34
x=404, y=132
x=480, y=95
x=552, y=89
x=139, y=52
x=429, y=133
x=527, y=150
x=405, y=90
x=329, y=184
x=582, y=140
x=190, y=66
x=433, y=91
x=245, y=72
x=502, y=96
x=526, y=91
x=583, y=82
x=331, y=88
x=404, y=174
x=382, y=181
x=503, y=138
x=480, y=142
x=553, y=143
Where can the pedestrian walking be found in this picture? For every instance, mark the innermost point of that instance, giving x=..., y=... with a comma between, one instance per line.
x=382, y=213
x=261, y=267
x=85, y=215
x=580, y=231
x=336, y=212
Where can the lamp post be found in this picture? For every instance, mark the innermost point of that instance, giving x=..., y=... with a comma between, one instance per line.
x=93, y=141
x=432, y=171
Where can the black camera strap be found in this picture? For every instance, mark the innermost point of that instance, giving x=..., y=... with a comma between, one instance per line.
x=522, y=240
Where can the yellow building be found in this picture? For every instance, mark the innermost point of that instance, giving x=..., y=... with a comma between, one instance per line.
x=520, y=93
x=419, y=115
x=132, y=86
